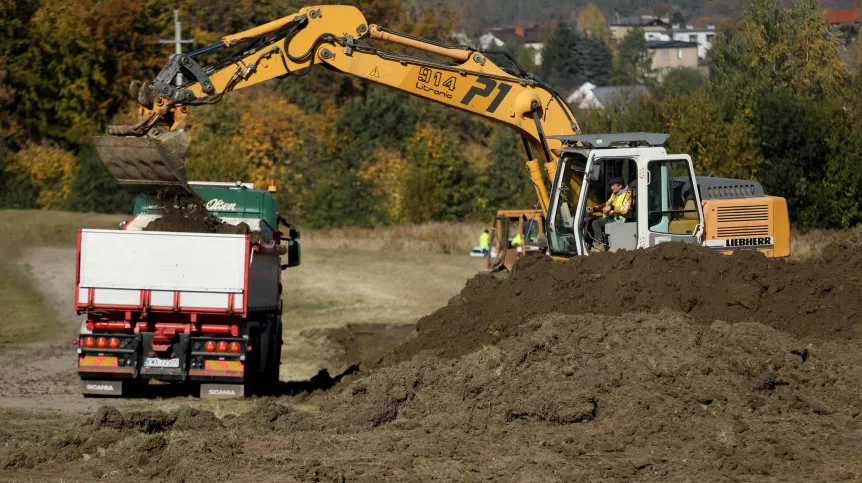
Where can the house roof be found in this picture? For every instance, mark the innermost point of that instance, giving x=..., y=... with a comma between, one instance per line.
x=610, y=95
x=641, y=22
x=520, y=35
x=693, y=31
x=670, y=44
x=837, y=17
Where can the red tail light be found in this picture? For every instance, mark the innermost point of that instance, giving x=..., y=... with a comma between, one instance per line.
x=222, y=346
x=234, y=347
x=113, y=343
x=89, y=342
x=210, y=346
x=101, y=342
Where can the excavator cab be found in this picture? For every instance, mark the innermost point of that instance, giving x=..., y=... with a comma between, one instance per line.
x=666, y=201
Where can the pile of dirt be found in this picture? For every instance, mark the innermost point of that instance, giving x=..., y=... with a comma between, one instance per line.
x=570, y=398
x=188, y=214
x=818, y=298
x=352, y=344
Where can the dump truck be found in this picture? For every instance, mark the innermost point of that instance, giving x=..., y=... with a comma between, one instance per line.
x=670, y=204
x=202, y=309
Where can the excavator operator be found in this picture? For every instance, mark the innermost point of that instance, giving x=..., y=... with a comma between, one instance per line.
x=614, y=209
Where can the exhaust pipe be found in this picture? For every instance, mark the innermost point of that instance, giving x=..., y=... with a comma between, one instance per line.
x=151, y=163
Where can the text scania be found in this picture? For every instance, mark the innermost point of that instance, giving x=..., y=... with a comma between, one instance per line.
x=749, y=242
x=219, y=205
x=221, y=392
x=100, y=387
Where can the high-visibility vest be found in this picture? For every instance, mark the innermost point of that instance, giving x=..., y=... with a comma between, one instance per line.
x=484, y=241
x=517, y=239
x=620, y=203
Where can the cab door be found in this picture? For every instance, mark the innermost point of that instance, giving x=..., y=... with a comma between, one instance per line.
x=669, y=207
x=564, y=221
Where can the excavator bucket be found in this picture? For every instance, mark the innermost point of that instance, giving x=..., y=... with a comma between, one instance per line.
x=148, y=163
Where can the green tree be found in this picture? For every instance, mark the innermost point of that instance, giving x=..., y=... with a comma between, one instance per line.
x=94, y=188
x=438, y=185
x=508, y=179
x=681, y=81
x=778, y=48
x=596, y=60
x=632, y=63
x=559, y=57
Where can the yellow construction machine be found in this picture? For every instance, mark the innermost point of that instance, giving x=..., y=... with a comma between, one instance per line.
x=670, y=202
x=515, y=234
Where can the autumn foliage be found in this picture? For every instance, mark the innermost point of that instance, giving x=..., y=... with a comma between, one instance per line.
x=780, y=107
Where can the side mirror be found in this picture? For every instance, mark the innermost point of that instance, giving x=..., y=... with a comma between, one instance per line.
x=122, y=224
x=294, y=255
x=283, y=221
x=595, y=172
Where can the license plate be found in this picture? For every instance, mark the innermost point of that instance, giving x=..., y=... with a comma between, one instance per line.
x=156, y=362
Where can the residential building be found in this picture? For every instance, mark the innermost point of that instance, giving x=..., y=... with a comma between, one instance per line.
x=621, y=26
x=530, y=37
x=702, y=37
x=588, y=96
x=671, y=54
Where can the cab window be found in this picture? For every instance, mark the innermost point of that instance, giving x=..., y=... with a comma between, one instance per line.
x=531, y=230
x=672, y=202
x=599, y=191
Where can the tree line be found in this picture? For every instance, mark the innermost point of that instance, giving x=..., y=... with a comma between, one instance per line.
x=780, y=106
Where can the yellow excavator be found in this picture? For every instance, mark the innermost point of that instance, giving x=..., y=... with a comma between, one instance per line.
x=670, y=203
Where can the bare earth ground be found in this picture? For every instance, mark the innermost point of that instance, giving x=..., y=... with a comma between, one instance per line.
x=710, y=368
x=341, y=306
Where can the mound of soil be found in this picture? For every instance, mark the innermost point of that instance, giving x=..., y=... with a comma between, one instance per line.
x=188, y=214
x=810, y=299
x=570, y=398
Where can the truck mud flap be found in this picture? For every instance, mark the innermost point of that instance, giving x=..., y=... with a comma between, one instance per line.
x=102, y=388
x=222, y=391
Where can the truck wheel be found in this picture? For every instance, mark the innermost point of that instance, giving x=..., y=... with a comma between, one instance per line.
x=271, y=377
x=135, y=388
x=252, y=367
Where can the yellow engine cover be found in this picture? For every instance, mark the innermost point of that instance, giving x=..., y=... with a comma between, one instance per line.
x=759, y=223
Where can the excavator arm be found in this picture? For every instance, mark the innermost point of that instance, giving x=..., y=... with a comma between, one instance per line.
x=151, y=152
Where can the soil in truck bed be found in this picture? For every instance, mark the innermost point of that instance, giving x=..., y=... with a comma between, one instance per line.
x=188, y=214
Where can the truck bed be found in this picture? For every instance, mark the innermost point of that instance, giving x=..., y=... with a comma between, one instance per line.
x=173, y=272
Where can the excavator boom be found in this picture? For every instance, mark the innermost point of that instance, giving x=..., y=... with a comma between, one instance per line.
x=335, y=35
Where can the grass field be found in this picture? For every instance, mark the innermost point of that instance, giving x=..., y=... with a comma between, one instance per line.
x=439, y=238
x=26, y=317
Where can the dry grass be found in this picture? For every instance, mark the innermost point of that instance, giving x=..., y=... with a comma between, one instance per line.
x=32, y=228
x=438, y=238
x=809, y=245
x=26, y=317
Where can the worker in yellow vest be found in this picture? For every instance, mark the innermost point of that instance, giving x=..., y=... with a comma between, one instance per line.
x=516, y=242
x=485, y=242
x=614, y=209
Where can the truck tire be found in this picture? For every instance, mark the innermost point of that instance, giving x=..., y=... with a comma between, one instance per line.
x=271, y=374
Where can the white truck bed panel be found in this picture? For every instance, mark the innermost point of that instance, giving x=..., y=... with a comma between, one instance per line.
x=139, y=260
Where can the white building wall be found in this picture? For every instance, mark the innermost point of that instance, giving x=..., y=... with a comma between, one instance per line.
x=704, y=39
